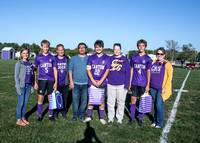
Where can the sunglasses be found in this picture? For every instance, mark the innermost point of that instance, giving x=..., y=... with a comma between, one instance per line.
x=160, y=54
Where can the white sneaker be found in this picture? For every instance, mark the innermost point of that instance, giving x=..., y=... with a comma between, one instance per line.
x=110, y=120
x=87, y=119
x=119, y=121
x=103, y=121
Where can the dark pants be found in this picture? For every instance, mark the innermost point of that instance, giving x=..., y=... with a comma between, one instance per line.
x=64, y=90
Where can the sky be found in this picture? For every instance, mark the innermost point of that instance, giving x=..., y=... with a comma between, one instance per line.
x=70, y=22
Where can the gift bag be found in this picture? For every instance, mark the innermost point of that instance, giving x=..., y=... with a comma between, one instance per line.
x=95, y=95
x=145, y=103
x=59, y=100
x=52, y=101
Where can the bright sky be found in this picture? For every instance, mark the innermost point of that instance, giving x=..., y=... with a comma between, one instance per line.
x=124, y=21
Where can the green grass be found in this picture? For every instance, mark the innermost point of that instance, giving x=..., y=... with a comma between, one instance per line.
x=185, y=128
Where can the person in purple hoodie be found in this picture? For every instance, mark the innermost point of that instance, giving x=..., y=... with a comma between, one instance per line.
x=24, y=84
x=47, y=79
x=63, y=78
x=118, y=84
x=140, y=77
x=98, y=67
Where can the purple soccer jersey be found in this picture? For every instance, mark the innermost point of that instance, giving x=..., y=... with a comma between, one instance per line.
x=157, y=75
x=61, y=67
x=98, y=66
x=119, y=72
x=140, y=64
x=46, y=64
x=29, y=69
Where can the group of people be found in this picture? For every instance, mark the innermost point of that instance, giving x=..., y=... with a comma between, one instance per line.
x=114, y=75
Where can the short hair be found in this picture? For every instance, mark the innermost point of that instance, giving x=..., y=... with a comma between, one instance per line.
x=99, y=43
x=45, y=42
x=142, y=41
x=82, y=44
x=59, y=45
x=117, y=44
x=162, y=49
x=23, y=49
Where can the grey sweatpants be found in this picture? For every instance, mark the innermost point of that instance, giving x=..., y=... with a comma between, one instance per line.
x=116, y=92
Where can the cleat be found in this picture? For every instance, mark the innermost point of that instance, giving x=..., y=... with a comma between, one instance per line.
x=87, y=119
x=103, y=121
x=21, y=123
x=131, y=122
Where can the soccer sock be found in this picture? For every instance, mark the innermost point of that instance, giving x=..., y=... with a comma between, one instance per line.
x=50, y=112
x=140, y=116
x=90, y=112
x=132, y=110
x=39, y=107
x=101, y=113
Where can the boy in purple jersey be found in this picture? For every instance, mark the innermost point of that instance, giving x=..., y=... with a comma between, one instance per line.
x=63, y=78
x=47, y=77
x=98, y=67
x=140, y=77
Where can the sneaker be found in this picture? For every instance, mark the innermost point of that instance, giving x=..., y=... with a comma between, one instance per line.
x=87, y=119
x=25, y=121
x=131, y=122
x=158, y=127
x=103, y=121
x=39, y=119
x=51, y=118
x=82, y=118
x=119, y=121
x=110, y=120
x=74, y=118
x=153, y=125
x=140, y=123
x=21, y=123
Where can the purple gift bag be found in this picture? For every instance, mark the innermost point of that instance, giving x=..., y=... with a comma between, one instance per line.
x=145, y=103
x=95, y=95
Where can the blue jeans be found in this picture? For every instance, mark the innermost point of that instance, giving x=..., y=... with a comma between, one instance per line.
x=22, y=101
x=79, y=92
x=158, y=106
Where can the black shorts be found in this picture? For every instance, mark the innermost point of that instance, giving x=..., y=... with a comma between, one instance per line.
x=43, y=85
x=102, y=87
x=137, y=91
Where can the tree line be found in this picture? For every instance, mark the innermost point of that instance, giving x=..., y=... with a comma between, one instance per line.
x=188, y=52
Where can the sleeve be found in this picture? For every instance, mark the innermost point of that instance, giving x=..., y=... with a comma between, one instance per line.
x=54, y=62
x=149, y=63
x=132, y=63
x=36, y=62
x=71, y=65
x=17, y=80
x=89, y=63
x=128, y=74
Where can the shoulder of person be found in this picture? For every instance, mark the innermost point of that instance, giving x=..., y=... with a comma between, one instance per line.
x=167, y=63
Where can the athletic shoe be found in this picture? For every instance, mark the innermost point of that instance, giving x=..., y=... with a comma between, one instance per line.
x=74, y=118
x=158, y=127
x=131, y=122
x=51, y=118
x=25, y=121
x=82, y=118
x=87, y=119
x=21, y=123
x=39, y=119
x=153, y=125
x=140, y=123
x=110, y=120
x=119, y=121
x=103, y=121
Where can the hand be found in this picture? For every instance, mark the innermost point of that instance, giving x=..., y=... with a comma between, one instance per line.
x=147, y=89
x=98, y=83
x=55, y=86
x=163, y=91
x=94, y=82
x=129, y=87
x=20, y=93
x=71, y=85
x=32, y=89
x=35, y=86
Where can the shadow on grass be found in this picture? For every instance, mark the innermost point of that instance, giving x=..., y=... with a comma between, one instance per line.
x=34, y=109
x=89, y=135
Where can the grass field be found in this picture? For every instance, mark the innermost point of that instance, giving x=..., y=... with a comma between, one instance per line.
x=186, y=127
